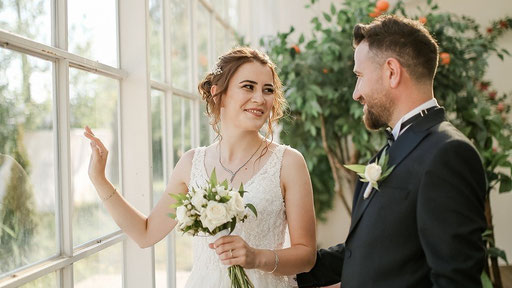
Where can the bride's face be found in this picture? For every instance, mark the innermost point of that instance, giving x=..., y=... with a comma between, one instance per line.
x=248, y=101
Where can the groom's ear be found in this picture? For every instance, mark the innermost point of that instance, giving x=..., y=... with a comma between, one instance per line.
x=393, y=71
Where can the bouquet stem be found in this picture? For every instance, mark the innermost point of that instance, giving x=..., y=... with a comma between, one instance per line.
x=238, y=277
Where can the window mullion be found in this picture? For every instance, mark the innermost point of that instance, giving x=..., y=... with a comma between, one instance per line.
x=167, y=135
x=65, y=186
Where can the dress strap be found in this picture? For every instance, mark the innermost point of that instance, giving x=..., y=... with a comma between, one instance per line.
x=196, y=172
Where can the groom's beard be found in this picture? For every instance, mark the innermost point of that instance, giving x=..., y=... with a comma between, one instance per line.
x=378, y=112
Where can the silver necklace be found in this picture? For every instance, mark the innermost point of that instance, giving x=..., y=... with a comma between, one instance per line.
x=233, y=174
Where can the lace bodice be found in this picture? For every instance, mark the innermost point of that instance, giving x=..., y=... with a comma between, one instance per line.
x=267, y=231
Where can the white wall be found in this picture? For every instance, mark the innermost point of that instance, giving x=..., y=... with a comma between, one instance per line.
x=292, y=12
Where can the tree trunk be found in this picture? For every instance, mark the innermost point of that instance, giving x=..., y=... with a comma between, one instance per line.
x=344, y=180
x=494, y=270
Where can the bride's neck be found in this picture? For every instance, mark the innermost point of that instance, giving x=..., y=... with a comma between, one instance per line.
x=237, y=145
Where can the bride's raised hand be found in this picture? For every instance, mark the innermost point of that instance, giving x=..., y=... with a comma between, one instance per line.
x=233, y=250
x=98, y=159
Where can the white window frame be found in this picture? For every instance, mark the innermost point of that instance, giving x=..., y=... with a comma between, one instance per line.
x=134, y=133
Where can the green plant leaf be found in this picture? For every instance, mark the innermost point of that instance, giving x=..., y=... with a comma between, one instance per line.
x=505, y=183
x=252, y=208
x=213, y=178
x=356, y=168
x=486, y=282
x=497, y=253
x=327, y=17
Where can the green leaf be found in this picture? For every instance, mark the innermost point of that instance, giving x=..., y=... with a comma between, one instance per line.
x=8, y=230
x=225, y=184
x=497, y=253
x=301, y=39
x=486, y=282
x=178, y=197
x=241, y=190
x=356, y=168
x=213, y=178
x=333, y=9
x=505, y=184
x=232, y=225
x=327, y=17
x=252, y=208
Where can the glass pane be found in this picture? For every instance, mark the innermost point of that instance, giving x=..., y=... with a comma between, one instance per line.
x=94, y=102
x=31, y=19
x=182, y=127
x=220, y=39
x=180, y=44
x=49, y=280
x=156, y=40
x=203, y=33
x=103, y=269
x=204, y=128
x=182, y=132
x=233, y=13
x=27, y=161
x=184, y=258
x=92, y=29
x=158, y=156
x=220, y=7
x=231, y=42
x=161, y=264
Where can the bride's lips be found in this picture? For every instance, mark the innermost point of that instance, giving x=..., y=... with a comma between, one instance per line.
x=255, y=111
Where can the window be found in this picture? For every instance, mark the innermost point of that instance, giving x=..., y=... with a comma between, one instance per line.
x=61, y=68
x=27, y=161
x=198, y=32
x=51, y=220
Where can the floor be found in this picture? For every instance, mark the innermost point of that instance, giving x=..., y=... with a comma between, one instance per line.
x=506, y=276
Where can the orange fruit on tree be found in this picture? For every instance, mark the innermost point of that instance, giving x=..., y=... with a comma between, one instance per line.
x=500, y=107
x=296, y=48
x=376, y=13
x=325, y=70
x=382, y=5
x=445, y=58
x=422, y=20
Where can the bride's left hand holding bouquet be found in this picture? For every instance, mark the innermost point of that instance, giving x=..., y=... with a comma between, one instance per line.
x=210, y=210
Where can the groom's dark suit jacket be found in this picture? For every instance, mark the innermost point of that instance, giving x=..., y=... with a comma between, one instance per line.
x=423, y=227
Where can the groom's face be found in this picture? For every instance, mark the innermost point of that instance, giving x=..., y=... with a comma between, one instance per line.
x=371, y=89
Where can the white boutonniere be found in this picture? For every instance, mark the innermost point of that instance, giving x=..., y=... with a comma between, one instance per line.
x=373, y=173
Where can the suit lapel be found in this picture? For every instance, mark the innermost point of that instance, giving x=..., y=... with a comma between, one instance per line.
x=402, y=147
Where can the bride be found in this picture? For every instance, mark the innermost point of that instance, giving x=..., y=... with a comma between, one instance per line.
x=242, y=94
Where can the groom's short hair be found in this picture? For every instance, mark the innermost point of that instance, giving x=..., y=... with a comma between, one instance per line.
x=404, y=39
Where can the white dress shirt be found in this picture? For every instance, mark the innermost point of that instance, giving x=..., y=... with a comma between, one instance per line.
x=396, y=130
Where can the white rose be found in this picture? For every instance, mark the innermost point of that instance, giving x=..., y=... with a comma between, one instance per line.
x=215, y=215
x=182, y=217
x=372, y=172
x=236, y=205
x=222, y=192
x=198, y=199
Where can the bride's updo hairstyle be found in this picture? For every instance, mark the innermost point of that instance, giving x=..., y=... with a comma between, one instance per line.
x=226, y=66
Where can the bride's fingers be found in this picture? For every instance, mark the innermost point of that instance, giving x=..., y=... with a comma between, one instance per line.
x=97, y=141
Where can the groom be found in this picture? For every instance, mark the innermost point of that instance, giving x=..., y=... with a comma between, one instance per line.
x=423, y=227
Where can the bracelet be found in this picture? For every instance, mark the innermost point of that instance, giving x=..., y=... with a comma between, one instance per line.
x=276, y=261
x=109, y=196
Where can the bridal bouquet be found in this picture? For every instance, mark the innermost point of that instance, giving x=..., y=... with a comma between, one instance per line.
x=213, y=209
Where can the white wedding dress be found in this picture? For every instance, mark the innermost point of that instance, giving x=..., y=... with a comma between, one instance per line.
x=267, y=231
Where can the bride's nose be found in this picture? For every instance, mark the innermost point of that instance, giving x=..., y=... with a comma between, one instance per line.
x=257, y=97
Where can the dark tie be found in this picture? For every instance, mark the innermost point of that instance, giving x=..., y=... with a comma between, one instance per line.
x=389, y=135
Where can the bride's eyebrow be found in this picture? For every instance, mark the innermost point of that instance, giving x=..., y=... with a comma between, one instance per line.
x=250, y=81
